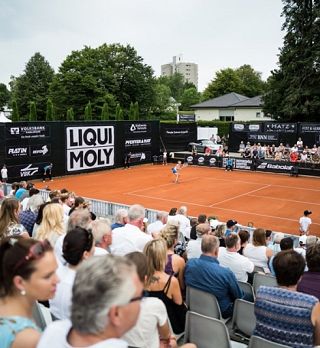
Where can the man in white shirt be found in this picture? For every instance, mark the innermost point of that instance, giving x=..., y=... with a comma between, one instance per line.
x=305, y=222
x=115, y=292
x=102, y=234
x=184, y=222
x=155, y=227
x=130, y=237
x=194, y=245
x=229, y=257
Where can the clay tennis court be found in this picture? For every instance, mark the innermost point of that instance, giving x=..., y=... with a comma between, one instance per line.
x=272, y=201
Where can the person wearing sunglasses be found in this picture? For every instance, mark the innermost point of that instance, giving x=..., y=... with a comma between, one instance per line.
x=106, y=297
x=27, y=274
x=78, y=245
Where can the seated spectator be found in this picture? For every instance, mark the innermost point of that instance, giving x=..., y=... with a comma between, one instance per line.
x=244, y=236
x=102, y=234
x=301, y=249
x=275, y=245
x=155, y=227
x=284, y=315
x=194, y=246
x=310, y=281
x=106, y=298
x=78, y=245
x=121, y=218
x=231, y=227
x=172, y=212
x=9, y=219
x=152, y=325
x=159, y=284
x=206, y=274
x=285, y=244
x=184, y=222
x=28, y=216
x=27, y=274
x=175, y=264
x=67, y=200
x=229, y=257
x=130, y=238
x=258, y=252
x=202, y=218
x=32, y=191
x=219, y=232
x=20, y=193
x=52, y=226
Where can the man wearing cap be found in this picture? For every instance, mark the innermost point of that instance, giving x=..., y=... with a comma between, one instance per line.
x=305, y=222
x=231, y=227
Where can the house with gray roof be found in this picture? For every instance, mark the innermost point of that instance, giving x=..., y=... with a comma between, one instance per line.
x=231, y=107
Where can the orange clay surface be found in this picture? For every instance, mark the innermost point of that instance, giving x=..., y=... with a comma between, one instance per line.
x=272, y=201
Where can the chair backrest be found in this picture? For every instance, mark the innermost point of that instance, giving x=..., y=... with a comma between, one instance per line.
x=248, y=290
x=262, y=279
x=258, y=342
x=203, y=303
x=244, y=319
x=206, y=332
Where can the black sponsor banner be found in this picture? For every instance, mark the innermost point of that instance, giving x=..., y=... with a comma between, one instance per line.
x=245, y=127
x=137, y=128
x=262, y=137
x=177, y=137
x=27, y=132
x=177, y=132
x=243, y=164
x=140, y=157
x=202, y=160
x=187, y=118
x=280, y=127
x=309, y=127
x=89, y=147
x=25, y=151
x=40, y=150
x=138, y=142
x=28, y=170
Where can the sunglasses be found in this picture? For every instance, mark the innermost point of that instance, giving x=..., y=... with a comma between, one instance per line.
x=36, y=251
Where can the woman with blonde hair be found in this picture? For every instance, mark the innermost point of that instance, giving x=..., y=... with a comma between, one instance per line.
x=258, y=252
x=175, y=264
x=52, y=226
x=9, y=219
x=159, y=284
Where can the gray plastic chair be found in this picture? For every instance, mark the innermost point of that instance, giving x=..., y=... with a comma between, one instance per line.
x=262, y=279
x=258, y=342
x=208, y=332
x=248, y=290
x=244, y=319
x=203, y=303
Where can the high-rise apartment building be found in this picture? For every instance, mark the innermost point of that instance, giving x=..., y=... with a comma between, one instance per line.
x=188, y=70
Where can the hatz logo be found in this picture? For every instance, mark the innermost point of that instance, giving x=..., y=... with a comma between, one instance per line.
x=28, y=171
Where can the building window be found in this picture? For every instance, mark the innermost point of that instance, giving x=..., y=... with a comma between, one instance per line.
x=258, y=114
x=226, y=118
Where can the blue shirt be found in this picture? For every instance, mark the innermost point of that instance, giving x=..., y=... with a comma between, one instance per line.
x=206, y=274
x=20, y=192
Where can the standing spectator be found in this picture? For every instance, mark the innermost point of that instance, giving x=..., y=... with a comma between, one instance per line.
x=4, y=174
x=106, y=298
x=9, y=219
x=284, y=315
x=229, y=257
x=165, y=157
x=127, y=160
x=27, y=274
x=305, y=222
x=206, y=274
x=121, y=218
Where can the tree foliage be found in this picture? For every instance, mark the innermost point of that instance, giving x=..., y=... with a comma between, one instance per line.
x=136, y=111
x=244, y=80
x=33, y=85
x=70, y=115
x=33, y=112
x=49, y=113
x=15, y=117
x=4, y=96
x=189, y=97
x=131, y=112
x=88, y=112
x=98, y=74
x=293, y=89
x=105, y=112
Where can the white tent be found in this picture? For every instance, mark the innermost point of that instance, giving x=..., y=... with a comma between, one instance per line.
x=3, y=118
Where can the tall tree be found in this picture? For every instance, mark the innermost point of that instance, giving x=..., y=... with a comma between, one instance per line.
x=88, y=112
x=33, y=85
x=136, y=111
x=119, y=113
x=4, y=96
x=131, y=112
x=70, y=115
x=15, y=117
x=175, y=83
x=162, y=98
x=189, y=97
x=49, y=113
x=33, y=112
x=293, y=89
x=105, y=112
x=107, y=70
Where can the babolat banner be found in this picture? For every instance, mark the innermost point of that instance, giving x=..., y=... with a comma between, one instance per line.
x=89, y=147
x=262, y=137
x=275, y=127
x=309, y=128
x=245, y=127
x=27, y=132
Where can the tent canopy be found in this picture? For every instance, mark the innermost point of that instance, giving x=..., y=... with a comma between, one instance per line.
x=3, y=118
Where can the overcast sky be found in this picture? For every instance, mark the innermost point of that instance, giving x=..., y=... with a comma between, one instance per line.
x=215, y=34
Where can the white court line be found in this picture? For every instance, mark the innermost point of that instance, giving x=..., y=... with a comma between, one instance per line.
x=226, y=209
x=157, y=186
x=241, y=195
x=284, y=199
